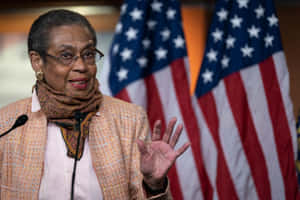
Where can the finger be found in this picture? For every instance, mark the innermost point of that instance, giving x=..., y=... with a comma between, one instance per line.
x=156, y=130
x=182, y=149
x=169, y=130
x=176, y=135
x=142, y=146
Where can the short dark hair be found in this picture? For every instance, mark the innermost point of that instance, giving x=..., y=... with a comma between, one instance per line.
x=38, y=37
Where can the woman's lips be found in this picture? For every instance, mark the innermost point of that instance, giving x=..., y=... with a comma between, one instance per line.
x=80, y=83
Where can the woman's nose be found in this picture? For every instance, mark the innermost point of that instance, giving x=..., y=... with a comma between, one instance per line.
x=79, y=64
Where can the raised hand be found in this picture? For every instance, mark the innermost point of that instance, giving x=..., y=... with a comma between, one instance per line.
x=158, y=155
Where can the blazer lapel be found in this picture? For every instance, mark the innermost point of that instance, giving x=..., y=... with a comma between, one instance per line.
x=34, y=143
x=107, y=158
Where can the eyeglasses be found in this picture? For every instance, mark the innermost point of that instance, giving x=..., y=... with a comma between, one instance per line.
x=89, y=57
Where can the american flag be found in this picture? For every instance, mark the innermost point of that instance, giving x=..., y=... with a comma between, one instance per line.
x=248, y=135
x=148, y=66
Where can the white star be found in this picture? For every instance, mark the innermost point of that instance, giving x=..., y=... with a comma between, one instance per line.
x=119, y=27
x=126, y=54
x=161, y=53
x=179, y=42
x=222, y=14
x=156, y=6
x=212, y=55
x=247, y=51
x=142, y=61
x=146, y=43
x=272, y=20
x=225, y=62
x=269, y=40
x=259, y=12
x=217, y=35
x=115, y=48
x=123, y=8
x=243, y=3
x=151, y=24
x=122, y=74
x=165, y=34
x=207, y=76
x=253, y=31
x=230, y=42
x=131, y=34
x=171, y=13
x=236, y=21
x=136, y=14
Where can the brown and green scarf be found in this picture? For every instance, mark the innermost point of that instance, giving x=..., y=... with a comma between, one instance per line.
x=60, y=109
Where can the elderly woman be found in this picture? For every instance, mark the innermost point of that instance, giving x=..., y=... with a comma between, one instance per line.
x=78, y=143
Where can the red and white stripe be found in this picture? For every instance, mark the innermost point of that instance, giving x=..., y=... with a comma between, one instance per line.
x=248, y=120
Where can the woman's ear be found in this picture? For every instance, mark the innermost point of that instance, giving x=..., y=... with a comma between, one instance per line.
x=36, y=61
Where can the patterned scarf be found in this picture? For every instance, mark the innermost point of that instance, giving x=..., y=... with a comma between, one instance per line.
x=60, y=109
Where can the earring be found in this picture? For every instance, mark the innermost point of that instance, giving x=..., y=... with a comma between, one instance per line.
x=39, y=75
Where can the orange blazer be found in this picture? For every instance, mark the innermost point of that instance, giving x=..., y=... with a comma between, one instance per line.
x=112, y=136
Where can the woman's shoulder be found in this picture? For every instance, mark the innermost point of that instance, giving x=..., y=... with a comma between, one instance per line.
x=20, y=104
x=10, y=112
x=114, y=105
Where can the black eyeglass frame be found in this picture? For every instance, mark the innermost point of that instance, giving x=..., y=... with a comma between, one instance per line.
x=74, y=58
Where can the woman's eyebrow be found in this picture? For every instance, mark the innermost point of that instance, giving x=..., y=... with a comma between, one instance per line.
x=67, y=46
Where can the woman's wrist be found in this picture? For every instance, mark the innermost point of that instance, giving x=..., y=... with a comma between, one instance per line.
x=155, y=188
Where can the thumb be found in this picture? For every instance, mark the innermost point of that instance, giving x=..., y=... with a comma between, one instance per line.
x=142, y=146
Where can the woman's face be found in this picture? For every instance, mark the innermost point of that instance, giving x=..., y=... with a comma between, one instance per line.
x=78, y=78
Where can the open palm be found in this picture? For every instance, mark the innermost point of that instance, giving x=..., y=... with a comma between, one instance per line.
x=158, y=155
